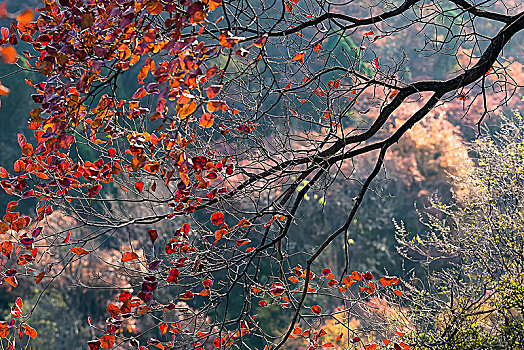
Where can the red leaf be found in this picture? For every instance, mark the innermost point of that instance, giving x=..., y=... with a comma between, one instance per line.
x=11, y=206
x=94, y=190
x=316, y=309
x=78, y=251
x=107, y=341
x=163, y=328
x=129, y=256
x=326, y=272
x=94, y=344
x=30, y=331
x=357, y=276
x=241, y=242
x=124, y=296
x=217, y=218
x=393, y=94
x=68, y=237
x=376, y=62
x=7, y=248
x=21, y=140
x=187, y=296
x=139, y=186
x=153, y=235
x=113, y=310
x=39, y=277
x=173, y=276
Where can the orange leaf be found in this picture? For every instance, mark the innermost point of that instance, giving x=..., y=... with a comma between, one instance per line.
x=397, y=292
x=328, y=345
x=154, y=7
x=213, y=105
x=213, y=4
x=3, y=90
x=227, y=40
x=129, y=256
x=25, y=17
x=30, y=331
x=12, y=281
x=299, y=57
x=11, y=206
x=213, y=90
x=187, y=110
x=389, y=280
x=371, y=346
x=206, y=120
x=6, y=247
x=8, y=54
x=219, y=234
x=78, y=251
x=68, y=237
x=356, y=276
x=393, y=94
x=107, y=341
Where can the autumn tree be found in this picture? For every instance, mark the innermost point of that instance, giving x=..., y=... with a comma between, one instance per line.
x=472, y=251
x=186, y=135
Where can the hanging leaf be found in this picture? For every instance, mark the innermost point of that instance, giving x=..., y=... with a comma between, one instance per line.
x=299, y=57
x=30, y=331
x=153, y=235
x=9, y=54
x=206, y=120
x=139, y=186
x=129, y=256
x=217, y=218
x=107, y=341
x=78, y=251
x=316, y=309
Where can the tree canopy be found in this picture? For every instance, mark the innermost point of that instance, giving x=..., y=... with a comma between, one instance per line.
x=175, y=147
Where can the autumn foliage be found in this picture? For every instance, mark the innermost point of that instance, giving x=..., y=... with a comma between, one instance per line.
x=175, y=141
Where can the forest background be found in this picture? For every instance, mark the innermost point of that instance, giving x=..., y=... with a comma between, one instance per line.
x=420, y=167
